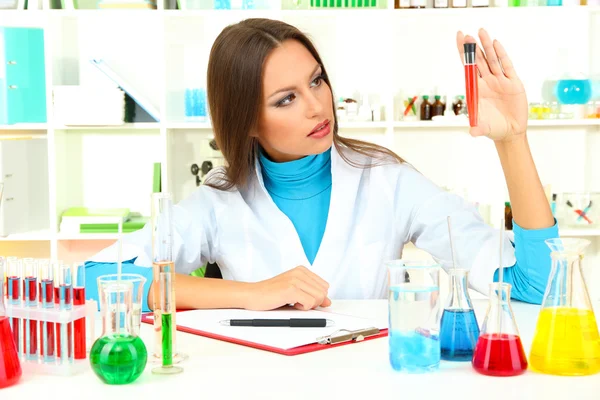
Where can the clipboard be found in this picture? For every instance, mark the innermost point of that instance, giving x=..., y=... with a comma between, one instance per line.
x=340, y=337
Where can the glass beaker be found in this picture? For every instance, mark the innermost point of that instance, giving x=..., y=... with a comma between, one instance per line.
x=459, y=328
x=566, y=340
x=137, y=294
x=414, y=322
x=499, y=350
x=10, y=366
x=118, y=356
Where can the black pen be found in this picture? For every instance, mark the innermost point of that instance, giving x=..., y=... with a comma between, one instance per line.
x=292, y=322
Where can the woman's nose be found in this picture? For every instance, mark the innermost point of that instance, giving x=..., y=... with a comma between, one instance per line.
x=313, y=105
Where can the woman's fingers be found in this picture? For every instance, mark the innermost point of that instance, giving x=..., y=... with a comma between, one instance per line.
x=460, y=41
x=482, y=64
x=314, y=277
x=507, y=64
x=490, y=53
x=307, y=285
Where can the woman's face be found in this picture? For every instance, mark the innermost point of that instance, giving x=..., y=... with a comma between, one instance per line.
x=297, y=112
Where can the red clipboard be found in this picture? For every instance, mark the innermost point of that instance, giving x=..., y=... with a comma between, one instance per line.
x=309, y=348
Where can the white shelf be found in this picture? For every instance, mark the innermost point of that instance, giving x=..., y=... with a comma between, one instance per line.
x=43, y=235
x=87, y=236
x=579, y=232
x=189, y=125
x=24, y=127
x=128, y=126
x=465, y=124
x=342, y=125
x=363, y=125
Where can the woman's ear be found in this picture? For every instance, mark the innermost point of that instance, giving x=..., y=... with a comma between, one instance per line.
x=253, y=133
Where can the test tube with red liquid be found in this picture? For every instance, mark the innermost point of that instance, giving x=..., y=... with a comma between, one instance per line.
x=46, y=296
x=78, y=279
x=30, y=272
x=471, y=77
x=63, y=296
x=14, y=272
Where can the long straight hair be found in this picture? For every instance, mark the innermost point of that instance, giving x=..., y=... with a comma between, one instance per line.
x=234, y=89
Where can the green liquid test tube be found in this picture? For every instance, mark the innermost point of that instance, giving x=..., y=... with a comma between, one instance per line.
x=167, y=308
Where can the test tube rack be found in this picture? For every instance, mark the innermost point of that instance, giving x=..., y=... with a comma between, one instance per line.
x=56, y=365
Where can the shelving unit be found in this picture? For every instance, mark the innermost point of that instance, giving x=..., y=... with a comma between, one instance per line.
x=379, y=52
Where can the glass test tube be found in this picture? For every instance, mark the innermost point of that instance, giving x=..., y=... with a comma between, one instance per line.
x=163, y=262
x=63, y=293
x=14, y=271
x=167, y=308
x=46, y=296
x=79, y=334
x=30, y=272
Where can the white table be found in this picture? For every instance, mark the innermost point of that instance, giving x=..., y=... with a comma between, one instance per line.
x=220, y=370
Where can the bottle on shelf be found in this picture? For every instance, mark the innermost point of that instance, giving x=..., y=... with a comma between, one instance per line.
x=508, y=218
x=418, y=3
x=438, y=107
x=459, y=106
x=480, y=3
x=440, y=3
x=426, y=109
x=459, y=3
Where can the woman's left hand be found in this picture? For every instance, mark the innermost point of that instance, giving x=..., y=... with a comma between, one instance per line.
x=503, y=107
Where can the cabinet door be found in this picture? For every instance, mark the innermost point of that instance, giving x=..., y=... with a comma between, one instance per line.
x=25, y=74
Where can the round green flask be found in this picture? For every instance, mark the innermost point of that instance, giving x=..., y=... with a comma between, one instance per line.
x=118, y=357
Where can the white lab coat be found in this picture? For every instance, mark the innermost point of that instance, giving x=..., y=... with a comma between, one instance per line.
x=373, y=213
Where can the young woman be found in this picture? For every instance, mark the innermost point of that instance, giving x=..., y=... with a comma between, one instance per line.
x=302, y=215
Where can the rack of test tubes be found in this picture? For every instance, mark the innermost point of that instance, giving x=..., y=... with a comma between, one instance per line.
x=48, y=314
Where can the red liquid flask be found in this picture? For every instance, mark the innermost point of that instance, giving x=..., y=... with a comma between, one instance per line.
x=499, y=351
x=10, y=366
x=471, y=77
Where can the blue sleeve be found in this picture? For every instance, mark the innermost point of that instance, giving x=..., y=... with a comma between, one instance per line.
x=529, y=275
x=95, y=269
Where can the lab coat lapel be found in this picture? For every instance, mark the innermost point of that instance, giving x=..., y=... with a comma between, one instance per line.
x=345, y=185
x=279, y=225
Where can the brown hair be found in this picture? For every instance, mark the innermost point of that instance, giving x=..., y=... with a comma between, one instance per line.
x=234, y=88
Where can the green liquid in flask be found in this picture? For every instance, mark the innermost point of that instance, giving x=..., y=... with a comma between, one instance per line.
x=118, y=359
x=167, y=340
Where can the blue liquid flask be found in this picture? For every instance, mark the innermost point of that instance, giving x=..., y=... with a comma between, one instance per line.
x=459, y=329
x=574, y=90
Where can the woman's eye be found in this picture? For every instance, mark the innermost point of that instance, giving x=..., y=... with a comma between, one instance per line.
x=317, y=81
x=286, y=100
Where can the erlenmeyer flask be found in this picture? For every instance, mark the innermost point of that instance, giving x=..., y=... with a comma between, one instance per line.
x=566, y=338
x=459, y=329
x=499, y=351
x=117, y=357
x=10, y=366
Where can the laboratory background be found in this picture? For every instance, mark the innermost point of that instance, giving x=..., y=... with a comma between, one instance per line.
x=116, y=106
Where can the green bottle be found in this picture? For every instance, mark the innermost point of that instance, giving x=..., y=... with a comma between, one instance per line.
x=118, y=357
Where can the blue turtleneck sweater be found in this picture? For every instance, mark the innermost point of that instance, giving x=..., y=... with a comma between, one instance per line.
x=301, y=189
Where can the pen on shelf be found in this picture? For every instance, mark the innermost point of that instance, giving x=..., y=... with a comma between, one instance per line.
x=291, y=323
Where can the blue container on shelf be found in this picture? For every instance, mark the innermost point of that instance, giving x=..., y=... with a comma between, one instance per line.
x=195, y=104
x=23, y=85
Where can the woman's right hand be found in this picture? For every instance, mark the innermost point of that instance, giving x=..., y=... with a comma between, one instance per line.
x=299, y=286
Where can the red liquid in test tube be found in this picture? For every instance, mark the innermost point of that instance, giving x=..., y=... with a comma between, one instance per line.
x=471, y=76
x=79, y=325
x=46, y=289
x=30, y=299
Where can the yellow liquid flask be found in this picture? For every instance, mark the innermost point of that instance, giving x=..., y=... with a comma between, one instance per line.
x=566, y=340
